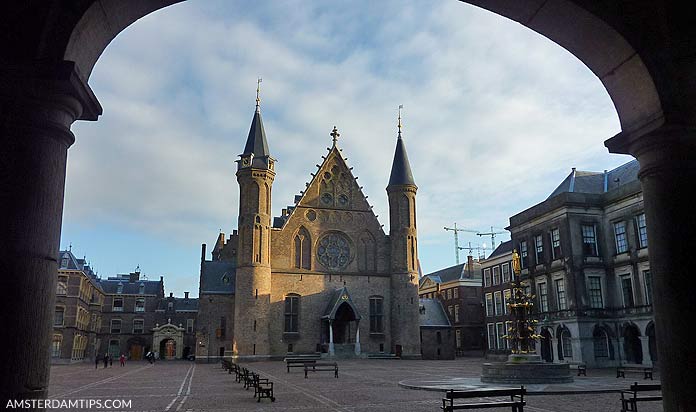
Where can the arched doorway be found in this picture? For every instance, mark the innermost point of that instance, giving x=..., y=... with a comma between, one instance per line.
x=342, y=324
x=564, y=343
x=546, y=342
x=167, y=349
x=652, y=343
x=136, y=348
x=633, y=350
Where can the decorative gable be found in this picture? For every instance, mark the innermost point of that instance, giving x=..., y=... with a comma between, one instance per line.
x=334, y=186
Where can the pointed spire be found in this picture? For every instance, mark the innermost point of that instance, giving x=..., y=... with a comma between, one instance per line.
x=256, y=143
x=401, y=168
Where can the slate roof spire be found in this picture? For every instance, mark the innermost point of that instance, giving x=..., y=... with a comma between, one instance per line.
x=401, y=168
x=256, y=144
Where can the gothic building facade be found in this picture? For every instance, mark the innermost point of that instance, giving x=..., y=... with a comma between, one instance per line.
x=322, y=277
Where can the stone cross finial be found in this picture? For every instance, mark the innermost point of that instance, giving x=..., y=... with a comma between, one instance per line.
x=335, y=135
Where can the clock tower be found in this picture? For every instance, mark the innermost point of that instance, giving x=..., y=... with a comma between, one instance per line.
x=255, y=174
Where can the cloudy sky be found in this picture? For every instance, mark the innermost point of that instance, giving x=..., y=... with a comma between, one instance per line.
x=494, y=117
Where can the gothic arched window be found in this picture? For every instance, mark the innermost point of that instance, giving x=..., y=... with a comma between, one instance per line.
x=303, y=247
x=366, y=253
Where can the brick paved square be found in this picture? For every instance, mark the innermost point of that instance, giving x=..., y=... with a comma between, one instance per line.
x=362, y=385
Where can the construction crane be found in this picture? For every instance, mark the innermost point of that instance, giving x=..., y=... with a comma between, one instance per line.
x=456, y=238
x=492, y=234
x=477, y=248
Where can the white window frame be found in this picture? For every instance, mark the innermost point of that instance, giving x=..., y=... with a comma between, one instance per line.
x=496, y=274
x=143, y=324
x=555, y=237
x=114, y=307
x=505, y=271
x=456, y=313
x=641, y=230
x=622, y=277
x=487, y=277
x=498, y=302
x=594, y=238
x=499, y=333
x=189, y=325
x=507, y=295
x=490, y=307
x=138, y=309
x=539, y=249
x=543, y=297
x=564, y=305
x=601, y=290
x=120, y=326
x=620, y=237
x=647, y=287
x=491, y=334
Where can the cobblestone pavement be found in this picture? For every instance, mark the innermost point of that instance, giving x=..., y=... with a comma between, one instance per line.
x=363, y=385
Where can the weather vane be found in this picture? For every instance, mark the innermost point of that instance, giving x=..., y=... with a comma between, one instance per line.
x=401, y=106
x=258, y=90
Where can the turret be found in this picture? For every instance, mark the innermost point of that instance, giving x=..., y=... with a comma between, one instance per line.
x=255, y=174
x=404, y=252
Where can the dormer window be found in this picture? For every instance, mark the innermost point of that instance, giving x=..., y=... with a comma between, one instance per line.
x=119, y=288
x=64, y=262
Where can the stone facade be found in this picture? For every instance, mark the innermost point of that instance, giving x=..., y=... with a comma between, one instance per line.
x=116, y=315
x=77, y=316
x=584, y=255
x=458, y=288
x=322, y=277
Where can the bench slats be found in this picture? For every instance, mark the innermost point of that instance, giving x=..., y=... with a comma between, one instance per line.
x=484, y=393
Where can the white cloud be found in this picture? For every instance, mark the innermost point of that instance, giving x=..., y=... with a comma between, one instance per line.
x=495, y=115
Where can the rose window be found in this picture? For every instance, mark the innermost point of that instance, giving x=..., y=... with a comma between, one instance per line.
x=333, y=251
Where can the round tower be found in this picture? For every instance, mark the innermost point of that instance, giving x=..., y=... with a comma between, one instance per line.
x=255, y=174
x=405, y=329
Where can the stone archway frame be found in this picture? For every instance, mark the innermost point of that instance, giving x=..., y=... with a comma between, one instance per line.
x=166, y=332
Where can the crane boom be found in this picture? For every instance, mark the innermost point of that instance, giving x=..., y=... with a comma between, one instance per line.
x=456, y=238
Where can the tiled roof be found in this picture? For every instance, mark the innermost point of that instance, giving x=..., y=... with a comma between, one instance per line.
x=460, y=271
x=218, y=277
x=111, y=285
x=598, y=182
x=180, y=304
x=431, y=313
x=503, y=248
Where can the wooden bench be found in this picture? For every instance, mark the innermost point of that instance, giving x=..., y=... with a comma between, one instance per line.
x=630, y=398
x=647, y=371
x=263, y=388
x=322, y=366
x=298, y=363
x=516, y=401
x=580, y=367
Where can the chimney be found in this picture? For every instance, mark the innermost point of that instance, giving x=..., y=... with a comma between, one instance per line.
x=134, y=276
x=470, y=265
x=234, y=232
x=161, y=279
x=203, y=246
x=171, y=294
x=186, y=295
x=284, y=212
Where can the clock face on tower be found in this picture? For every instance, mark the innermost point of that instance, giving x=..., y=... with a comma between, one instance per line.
x=246, y=161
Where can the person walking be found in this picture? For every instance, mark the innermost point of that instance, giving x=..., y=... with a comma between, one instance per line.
x=96, y=361
x=106, y=360
x=111, y=360
x=123, y=360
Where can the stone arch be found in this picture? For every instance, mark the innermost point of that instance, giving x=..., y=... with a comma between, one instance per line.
x=602, y=341
x=563, y=341
x=652, y=343
x=632, y=347
x=546, y=342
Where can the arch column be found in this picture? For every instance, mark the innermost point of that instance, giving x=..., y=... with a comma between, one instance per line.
x=38, y=104
x=645, y=348
x=667, y=174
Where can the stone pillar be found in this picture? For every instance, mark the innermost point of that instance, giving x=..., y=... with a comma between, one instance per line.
x=645, y=348
x=357, y=337
x=667, y=174
x=332, y=350
x=38, y=104
x=576, y=344
x=554, y=349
